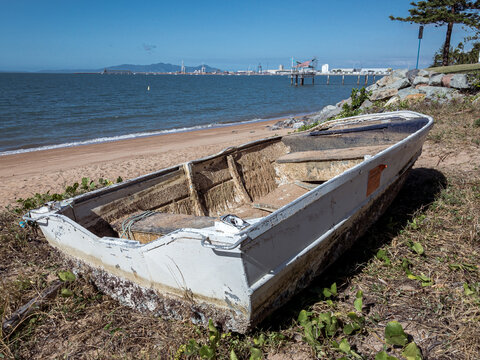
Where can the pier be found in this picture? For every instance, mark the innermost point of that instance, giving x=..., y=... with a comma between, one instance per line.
x=297, y=77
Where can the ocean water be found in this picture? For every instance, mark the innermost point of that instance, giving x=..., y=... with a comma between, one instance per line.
x=39, y=111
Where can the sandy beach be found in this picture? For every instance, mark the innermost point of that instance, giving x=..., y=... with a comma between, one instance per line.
x=22, y=175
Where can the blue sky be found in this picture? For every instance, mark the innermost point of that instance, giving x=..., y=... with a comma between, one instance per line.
x=231, y=35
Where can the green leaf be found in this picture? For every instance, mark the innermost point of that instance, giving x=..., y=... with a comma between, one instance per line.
x=66, y=276
x=233, y=356
x=469, y=267
x=358, y=303
x=66, y=292
x=348, y=329
x=382, y=355
x=260, y=340
x=303, y=317
x=255, y=354
x=344, y=346
x=207, y=352
x=394, y=334
x=333, y=289
x=310, y=333
x=418, y=248
x=467, y=290
x=412, y=352
x=327, y=293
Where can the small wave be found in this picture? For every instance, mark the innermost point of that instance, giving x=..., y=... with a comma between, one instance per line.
x=127, y=136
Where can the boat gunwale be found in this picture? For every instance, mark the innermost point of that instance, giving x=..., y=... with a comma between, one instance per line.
x=273, y=218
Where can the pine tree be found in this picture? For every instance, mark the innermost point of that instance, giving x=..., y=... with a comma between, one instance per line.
x=441, y=12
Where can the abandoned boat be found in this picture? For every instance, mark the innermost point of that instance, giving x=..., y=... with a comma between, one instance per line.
x=233, y=236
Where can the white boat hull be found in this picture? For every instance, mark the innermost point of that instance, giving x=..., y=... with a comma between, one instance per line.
x=238, y=279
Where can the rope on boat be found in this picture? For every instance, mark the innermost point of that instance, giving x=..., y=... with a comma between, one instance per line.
x=128, y=223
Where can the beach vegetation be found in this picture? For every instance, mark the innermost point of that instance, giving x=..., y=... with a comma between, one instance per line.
x=85, y=185
x=358, y=96
x=444, y=12
x=416, y=266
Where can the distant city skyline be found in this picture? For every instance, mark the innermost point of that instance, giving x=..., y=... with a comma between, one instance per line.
x=56, y=34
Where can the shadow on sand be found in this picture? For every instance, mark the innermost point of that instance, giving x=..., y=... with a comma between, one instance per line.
x=419, y=191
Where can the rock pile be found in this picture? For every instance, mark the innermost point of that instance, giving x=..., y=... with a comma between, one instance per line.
x=400, y=85
x=418, y=85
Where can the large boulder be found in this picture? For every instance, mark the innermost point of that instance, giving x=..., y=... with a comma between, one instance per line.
x=436, y=80
x=393, y=101
x=413, y=98
x=411, y=74
x=459, y=81
x=400, y=73
x=446, y=80
x=423, y=73
x=387, y=80
x=372, y=87
x=327, y=112
x=440, y=94
x=420, y=80
x=366, y=104
x=384, y=93
x=402, y=94
x=399, y=84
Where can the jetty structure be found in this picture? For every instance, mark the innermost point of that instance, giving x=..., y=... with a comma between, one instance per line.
x=303, y=70
x=307, y=69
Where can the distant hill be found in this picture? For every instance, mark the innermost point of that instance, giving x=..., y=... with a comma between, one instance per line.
x=160, y=67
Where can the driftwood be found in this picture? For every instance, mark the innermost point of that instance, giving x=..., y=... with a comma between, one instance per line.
x=17, y=317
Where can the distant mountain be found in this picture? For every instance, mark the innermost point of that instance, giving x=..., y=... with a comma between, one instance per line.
x=160, y=67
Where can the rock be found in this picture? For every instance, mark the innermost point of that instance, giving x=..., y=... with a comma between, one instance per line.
x=400, y=73
x=298, y=125
x=440, y=94
x=399, y=84
x=420, y=80
x=459, y=81
x=372, y=87
x=366, y=104
x=327, y=112
x=387, y=80
x=289, y=122
x=436, y=80
x=275, y=127
x=407, y=91
x=412, y=74
x=415, y=98
x=446, y=80
x=393, y=101
x=344, y=101
x=423, y=73
x=383, y=94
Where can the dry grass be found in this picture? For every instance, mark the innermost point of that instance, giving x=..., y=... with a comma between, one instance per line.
x=439, y=207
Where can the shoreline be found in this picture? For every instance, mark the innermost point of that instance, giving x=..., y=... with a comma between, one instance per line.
x=24, y=174
x=148, y=134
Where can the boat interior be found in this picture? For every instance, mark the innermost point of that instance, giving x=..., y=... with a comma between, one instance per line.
x=249, y=181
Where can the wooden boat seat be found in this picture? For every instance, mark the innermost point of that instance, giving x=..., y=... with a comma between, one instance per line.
x=351, y=153
x=157, y=224
x=322, y=165
x=279, y=197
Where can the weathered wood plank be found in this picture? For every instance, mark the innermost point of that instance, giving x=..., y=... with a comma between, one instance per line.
x=199, y=210
x=232, y=168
